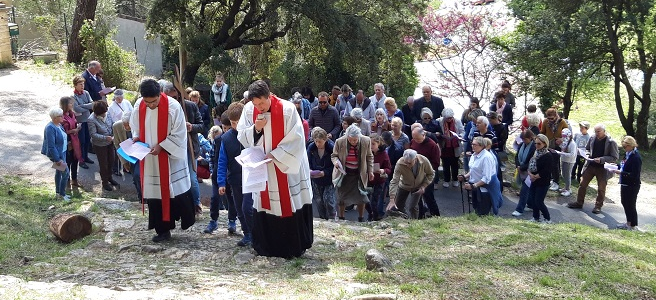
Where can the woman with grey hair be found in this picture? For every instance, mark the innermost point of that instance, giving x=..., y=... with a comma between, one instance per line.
x=102, y=137
x=365, y=125
x=482, y=180
x=380, y=123
x=354, y=168
x=321, y=169
x=452, y=131
x=54, y=147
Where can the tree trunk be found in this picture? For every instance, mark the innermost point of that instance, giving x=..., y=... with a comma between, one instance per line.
x=643, y=115
x=69, y=227
x=567, y=99
x=84, y=10
x=189, y=74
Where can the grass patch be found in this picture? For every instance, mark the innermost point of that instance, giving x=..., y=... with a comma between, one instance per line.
x=24, y=217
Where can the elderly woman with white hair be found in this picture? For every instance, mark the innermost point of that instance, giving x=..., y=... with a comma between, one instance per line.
x=428, y=122
x=413, y=174
x=452, y=131
x=364, y=124
x=482, y=178
x=119, y=106
x=54, y=146
x=380, y=123
x=354, y=168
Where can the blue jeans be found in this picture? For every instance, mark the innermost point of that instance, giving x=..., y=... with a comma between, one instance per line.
x=537, y=194
x=195, y=189
x=61, y=180
x=85, y=140
x=523, y=199
x=136, y=179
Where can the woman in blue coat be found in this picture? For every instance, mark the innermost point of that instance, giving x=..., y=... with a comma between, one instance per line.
x=629, y=171
x=54, y=147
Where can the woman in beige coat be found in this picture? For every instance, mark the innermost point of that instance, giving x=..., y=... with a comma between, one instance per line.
x=354, y=165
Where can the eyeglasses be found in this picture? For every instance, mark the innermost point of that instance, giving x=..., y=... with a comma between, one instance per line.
x=475, y=144
x=323, y=102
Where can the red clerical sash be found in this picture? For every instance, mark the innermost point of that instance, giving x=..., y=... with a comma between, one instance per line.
x=277, y=133
x=162, y=157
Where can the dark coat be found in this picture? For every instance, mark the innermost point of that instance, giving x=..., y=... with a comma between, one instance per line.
x=192, y=115
x=436, y=105
x=544, y=165
x=632, y=169
x=322, y=163
x=92, y=86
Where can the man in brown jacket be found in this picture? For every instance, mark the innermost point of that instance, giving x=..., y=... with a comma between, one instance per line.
x=412, y=175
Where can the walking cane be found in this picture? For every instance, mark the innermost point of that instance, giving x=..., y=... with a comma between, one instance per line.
x=462, y=198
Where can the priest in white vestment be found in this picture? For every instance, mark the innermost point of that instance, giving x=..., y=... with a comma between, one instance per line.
x=159, y=121
x=282, y=220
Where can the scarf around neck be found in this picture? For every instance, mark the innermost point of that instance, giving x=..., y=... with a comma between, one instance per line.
x=532, y=164
x=219, y=92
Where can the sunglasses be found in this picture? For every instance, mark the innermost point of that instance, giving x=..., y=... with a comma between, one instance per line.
x=426, y=118
x=323, y=102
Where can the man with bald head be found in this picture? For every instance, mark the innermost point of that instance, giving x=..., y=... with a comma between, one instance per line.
x=92, y=83
x=429, y=149
x=434, y=103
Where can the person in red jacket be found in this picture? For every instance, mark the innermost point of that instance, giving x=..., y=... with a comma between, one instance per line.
x=430, y=150
x=382, y=170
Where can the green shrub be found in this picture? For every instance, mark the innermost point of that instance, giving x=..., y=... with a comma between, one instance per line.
x=120, y=66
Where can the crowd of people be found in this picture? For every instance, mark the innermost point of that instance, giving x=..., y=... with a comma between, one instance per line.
x=362, y=153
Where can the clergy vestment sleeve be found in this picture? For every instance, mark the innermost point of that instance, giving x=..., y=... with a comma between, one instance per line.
x=177, y=138
x=289, y=151
x=134, y=121
x=245, y=127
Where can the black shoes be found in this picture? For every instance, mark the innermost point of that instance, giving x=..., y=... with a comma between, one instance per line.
x=162, y=237
x=107, y=186
x=83, y=165
x=113, y=182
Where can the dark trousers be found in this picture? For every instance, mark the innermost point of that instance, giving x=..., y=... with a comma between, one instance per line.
x=450, y=168
x=72, y=163
x=555, y=171
x=407, y=202
x=136, y=179
x=375, y=197
x=85, y=140
x=481, y=201
x=602, y=181
x=536, y=194
x=243, y=204
x=105, y=156
x=429, y=200
x=629, y=196
x=578, y=167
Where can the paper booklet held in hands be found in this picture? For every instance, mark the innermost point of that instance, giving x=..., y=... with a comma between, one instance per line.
x=60, y=168
x=132, y=152
x=254, y=169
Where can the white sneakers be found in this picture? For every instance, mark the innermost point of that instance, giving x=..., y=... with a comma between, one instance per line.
x=553, y=186
x=565, y=193
x=456, y=183
x=540, y=221
x=516, y=214
x=445, y=184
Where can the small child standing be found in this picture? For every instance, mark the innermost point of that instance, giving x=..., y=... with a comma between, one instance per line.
x=382, y=161
x=581, y=139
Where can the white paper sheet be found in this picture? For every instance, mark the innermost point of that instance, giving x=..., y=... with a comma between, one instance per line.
x=456, y=135
x=340, y=167
x=610, y=167
x=60, y=168
x=584, y=155
x=254, y=169
x=252, y=157
x=136, y=150
x=527, y=181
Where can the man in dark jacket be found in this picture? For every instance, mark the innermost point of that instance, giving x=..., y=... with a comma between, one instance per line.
x=602, y=149
x=91, y=82
x=434, y=103
x=194, y=127
x=326, y=117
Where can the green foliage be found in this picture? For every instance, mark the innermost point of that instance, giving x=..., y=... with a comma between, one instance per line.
x=121, y=67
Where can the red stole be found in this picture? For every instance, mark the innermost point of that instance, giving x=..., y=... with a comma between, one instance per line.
x=162, y=157
x=277, y=133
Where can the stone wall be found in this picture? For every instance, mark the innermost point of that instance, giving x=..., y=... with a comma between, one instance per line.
x=149, y=52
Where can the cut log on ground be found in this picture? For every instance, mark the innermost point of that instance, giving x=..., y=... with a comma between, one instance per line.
x=70, y=227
